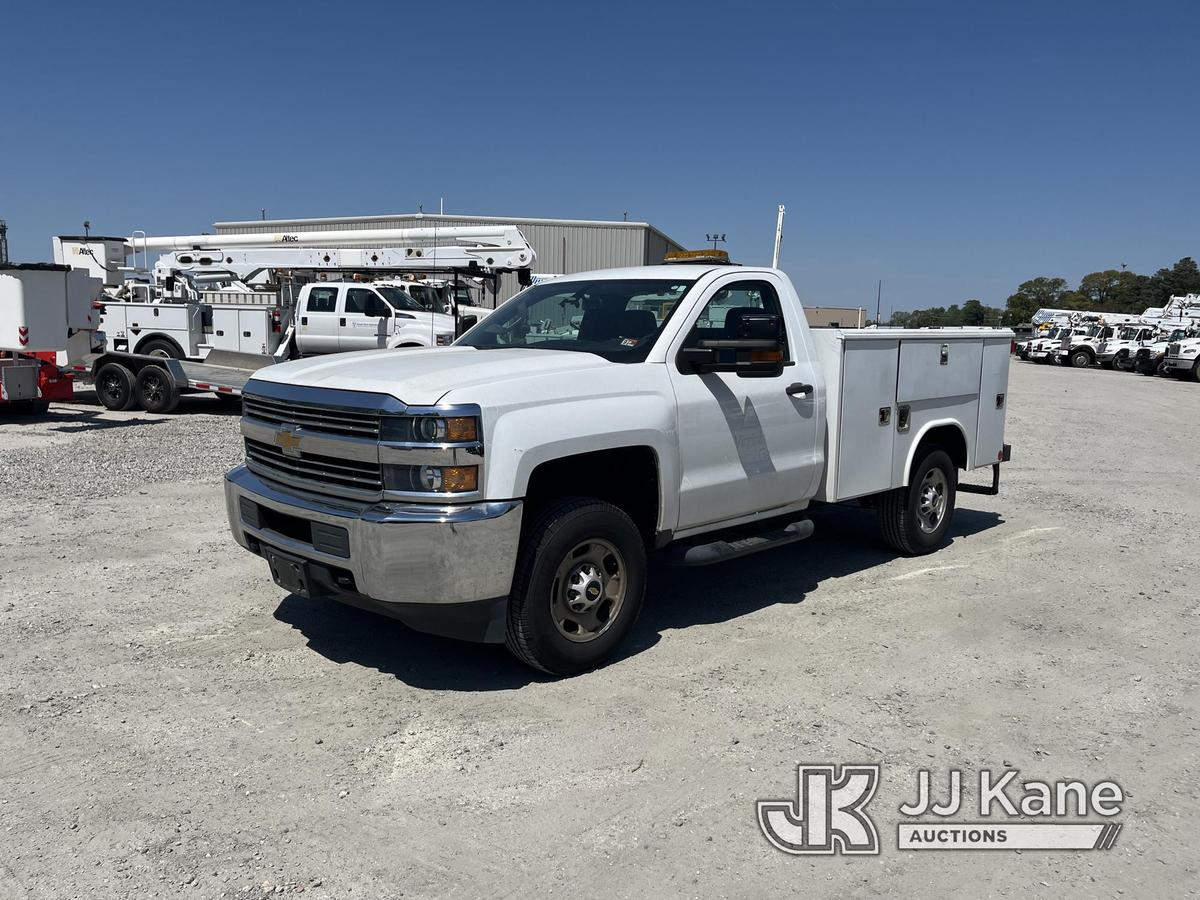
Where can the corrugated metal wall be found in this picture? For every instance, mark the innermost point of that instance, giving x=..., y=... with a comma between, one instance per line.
x=562, y=247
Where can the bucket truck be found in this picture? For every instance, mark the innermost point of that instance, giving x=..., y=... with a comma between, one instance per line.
x=160, y=320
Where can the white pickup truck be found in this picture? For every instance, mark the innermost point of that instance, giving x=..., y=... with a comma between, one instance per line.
x=509, y=488
x=335, y=316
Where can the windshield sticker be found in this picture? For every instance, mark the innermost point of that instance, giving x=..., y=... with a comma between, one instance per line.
x=629, y=342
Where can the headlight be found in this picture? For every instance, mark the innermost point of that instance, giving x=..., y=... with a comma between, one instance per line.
x=431, y=479
x=429, y=429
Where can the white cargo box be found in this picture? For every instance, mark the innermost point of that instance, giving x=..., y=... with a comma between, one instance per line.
x=40, y=304
x=888, y=387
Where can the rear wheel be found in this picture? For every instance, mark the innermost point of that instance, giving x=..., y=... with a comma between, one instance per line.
x=915, y=519
x=156, y=390
x=578, y=586
x=114, y=387
x=162, y=349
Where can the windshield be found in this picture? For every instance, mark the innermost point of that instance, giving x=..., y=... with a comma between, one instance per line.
x=1130, y=334
x=399, y=299
x=616, y=319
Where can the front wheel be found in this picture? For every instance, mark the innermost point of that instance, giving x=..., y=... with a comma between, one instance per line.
x=578, y=586
x=915, y=519
x=1081, y=359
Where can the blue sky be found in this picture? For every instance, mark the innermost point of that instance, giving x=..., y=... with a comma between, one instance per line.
x=951, y=149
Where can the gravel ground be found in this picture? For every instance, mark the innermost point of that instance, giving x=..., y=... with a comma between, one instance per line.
x=172, y=723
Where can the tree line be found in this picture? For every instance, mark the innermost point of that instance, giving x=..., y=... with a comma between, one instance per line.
x=1113, y=290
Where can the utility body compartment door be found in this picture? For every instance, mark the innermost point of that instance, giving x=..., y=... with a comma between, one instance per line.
x=993, y=402
x=866, y=428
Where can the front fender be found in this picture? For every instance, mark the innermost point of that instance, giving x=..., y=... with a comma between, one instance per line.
x=523, y=438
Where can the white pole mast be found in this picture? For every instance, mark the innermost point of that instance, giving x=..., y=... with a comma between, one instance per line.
x=778, y=236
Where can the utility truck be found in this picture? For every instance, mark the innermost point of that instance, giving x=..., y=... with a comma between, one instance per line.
x=509, y=488
x=1118, y=351
x=1182, y=358
x=1149, y=359
x=161, y=319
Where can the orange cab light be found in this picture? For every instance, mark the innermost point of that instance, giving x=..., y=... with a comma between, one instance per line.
x=460, y=479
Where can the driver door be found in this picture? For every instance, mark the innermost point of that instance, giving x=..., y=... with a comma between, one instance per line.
x=365, y=322
x=746, y=444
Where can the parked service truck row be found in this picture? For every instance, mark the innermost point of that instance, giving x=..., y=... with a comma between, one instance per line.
x=510, y=487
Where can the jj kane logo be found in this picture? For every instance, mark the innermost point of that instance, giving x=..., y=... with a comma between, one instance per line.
x=829, y=814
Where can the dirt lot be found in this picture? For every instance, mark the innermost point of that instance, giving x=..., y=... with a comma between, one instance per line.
x=173, y=723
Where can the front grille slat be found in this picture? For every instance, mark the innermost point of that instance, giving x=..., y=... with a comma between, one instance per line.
x=324, y=471
x=350, y=423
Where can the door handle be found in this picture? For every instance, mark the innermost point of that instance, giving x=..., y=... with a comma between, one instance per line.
x=304, y=320
x=798, y=388
x=341, y=321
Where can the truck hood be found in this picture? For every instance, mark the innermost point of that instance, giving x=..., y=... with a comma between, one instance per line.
x=423, y=377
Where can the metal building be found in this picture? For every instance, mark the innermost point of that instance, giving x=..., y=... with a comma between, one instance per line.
x=563, y=246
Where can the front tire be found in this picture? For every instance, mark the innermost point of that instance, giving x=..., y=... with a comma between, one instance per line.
x=578, y=586
x=915, y=519
x=1080, y=359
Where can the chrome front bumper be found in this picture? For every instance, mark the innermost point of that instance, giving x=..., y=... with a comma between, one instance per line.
x=405, y=557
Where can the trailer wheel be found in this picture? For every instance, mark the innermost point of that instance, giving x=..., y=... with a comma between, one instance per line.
x=161, y=348
x=114, y=387
x=156, y=390
x=915, y=519
x=578, y=586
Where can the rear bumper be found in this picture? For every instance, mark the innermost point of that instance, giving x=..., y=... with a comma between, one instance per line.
x=443, y=569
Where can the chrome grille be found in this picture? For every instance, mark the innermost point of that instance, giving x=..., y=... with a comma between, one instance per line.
x=1172, y=349
x=312, y=418
x=349, y=477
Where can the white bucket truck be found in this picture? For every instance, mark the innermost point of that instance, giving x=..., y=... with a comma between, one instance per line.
x=510, y=487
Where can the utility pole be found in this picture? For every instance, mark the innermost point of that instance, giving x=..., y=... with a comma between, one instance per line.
x=715, y=238
x=778, y=235
x=3, y=242
x=878, y=300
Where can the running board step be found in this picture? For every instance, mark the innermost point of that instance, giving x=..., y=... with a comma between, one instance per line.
x=720, y=551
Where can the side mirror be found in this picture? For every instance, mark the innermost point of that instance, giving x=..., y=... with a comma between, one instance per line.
x=756, y=352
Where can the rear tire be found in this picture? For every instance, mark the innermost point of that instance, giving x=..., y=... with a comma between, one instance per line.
x=163, y=349
x=115, y=387
x=915, y=519
x=156, y=390
x=578, y=586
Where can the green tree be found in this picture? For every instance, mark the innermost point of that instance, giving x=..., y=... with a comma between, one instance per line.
x=1037, y=293
x=975, y=313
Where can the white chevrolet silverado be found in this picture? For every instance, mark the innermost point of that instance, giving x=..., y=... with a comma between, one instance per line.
x=510, y=487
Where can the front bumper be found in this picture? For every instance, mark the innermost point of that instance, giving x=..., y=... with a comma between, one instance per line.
x=442, y=569
x=1179, y=363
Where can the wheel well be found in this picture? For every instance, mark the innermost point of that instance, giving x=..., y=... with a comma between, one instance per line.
x=626, y=477
x=947, y=437
x=165, y=338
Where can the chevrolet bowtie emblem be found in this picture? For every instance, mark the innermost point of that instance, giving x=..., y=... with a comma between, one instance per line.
x=289, y=440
